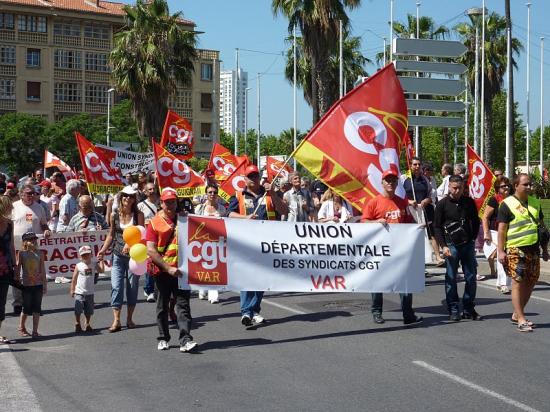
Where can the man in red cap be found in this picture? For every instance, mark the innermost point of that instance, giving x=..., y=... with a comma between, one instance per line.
x=255, y=202
x=162, y=247
x=389, y=208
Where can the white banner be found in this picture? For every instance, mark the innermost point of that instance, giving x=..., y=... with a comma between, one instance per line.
x=242, y=254
x=61, y=250
x=131, y=162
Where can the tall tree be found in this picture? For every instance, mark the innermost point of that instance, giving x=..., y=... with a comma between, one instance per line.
x=495, y=66
x=319, y=24
x=152, y=53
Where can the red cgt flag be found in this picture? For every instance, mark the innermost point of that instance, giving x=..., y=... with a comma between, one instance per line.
x=274, y=167
x=359, y=138
x=234, y=182
x=100, y=176
x=223, y=163
x=175, y=173
x=480, y=181
x=177, y=136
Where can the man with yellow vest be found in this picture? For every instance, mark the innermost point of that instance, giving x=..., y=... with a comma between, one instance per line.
x=251, y=203
x=519, y=216
x=162, y=247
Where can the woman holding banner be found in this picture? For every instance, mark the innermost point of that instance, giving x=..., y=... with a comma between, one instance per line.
x=127, y=214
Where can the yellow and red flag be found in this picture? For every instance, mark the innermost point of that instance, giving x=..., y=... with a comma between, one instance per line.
x=177, y=136
x=223, y=163
x=275, y=166
x=359, y=138
x=480, y=181
x=175, y=173
x=100, y=176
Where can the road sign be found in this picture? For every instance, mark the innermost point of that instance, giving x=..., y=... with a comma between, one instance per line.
x=425, y=85
x=429, y=67
x=436, y=121
x=435, y=105
x=432, y=48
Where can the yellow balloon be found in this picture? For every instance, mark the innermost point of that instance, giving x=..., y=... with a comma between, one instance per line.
x=138, y=252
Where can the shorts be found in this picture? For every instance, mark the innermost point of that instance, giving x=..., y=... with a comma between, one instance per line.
x=84, y=304
x=3, y=299
x=523, y=265
x=32, y=299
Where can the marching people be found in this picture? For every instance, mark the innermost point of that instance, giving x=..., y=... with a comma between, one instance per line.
x=162, y=247
x=333, y=208
x=389, y=208
x=251, y=203
x=87, y=219
x=443, y=188
x=68, y=206
x=126, y=215
x=490, y=233
x=7, y=257
x=456, y=226
x=149, y=208
x=521, y=235
x=298, y=201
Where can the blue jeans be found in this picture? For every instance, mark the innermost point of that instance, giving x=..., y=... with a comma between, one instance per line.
x=149, y=284
x=119, y=274
x=250, y=303
x=406, y=304
x=464, y=254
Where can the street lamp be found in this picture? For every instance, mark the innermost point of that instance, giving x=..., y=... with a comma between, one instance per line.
x=476, y=12
x=109, y=92
x=246, y=115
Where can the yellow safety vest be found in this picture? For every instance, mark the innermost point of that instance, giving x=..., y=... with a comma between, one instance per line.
x=522, y=231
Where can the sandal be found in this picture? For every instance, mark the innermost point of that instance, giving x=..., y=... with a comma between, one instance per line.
x=115, y=328
x=23, y=332
x=4, y=340
x=524, y=327
x=36, y=335
x=481, y=277
x=528, y=322
x=130, y=325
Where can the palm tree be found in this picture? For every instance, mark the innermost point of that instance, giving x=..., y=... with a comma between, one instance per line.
x=354, y=66
x=152, y=53
x=495, y=65
x=318, y=21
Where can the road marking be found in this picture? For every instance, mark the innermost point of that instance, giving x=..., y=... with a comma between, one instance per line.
x=278, y=305
x=475, y=387
x=15, y=391
x=532, y=296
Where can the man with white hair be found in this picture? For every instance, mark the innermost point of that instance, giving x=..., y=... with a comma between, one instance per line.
x=68, y=207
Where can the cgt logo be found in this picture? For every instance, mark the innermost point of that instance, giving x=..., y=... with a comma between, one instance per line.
x=95, y=165
x=477, y=188
x=207, y=243
x=180, y=135
x=168, y=167
x=283, y=173
x=223, y=165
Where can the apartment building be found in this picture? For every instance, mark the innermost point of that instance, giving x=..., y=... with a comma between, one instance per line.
x=54, y=63
x=233, y=100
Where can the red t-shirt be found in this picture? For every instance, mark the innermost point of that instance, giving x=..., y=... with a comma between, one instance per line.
x=151, y=235
x=393, y=210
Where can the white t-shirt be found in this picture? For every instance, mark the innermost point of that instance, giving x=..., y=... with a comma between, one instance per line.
x=148, y=209
x=85, y=280
x=27, y=219
x=327, y=211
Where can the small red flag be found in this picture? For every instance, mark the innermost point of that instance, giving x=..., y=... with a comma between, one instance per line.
x=480, y=181
x=274, y=167
x=177, y=136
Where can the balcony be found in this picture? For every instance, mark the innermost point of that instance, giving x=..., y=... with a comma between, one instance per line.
x=97, y=77
x=97, y=43
x=96, y=108
x=67, y=40
x=68, y=107
x=33, y=38
x=208, y=54
x=7, y=70
x=7, y=104
x=8, y=35
x=67, y=74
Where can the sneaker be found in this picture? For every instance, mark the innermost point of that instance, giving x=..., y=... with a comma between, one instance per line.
x=145, y=294
x=163, y=345
x=505, y=290
x=473, y=315
x=246, y=321
x=214, y=301
x=202, y=295
x=413, y=321
x=257, y=318
x=455, y=317
x=377, y=318
x=188, y=346
x=151, y=298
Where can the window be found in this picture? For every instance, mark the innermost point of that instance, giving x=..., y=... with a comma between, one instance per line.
x=206, y=129
x=206, y=101
x=67, y=59
x=7, y=89
x=33, y=91
x=33, y=57
x=7, y=54
x=32, y=23
x=96, y=32
x=97, y=62
x=66, y=29
x=7, y=21
x=206, y=71
x=96, y=93
x=67, y=92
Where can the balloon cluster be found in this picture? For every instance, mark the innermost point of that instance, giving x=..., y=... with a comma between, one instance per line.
x=134, y=236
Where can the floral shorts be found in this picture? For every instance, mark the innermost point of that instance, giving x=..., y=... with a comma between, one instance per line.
x=523, y=266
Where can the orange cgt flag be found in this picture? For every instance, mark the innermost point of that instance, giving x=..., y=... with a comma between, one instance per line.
x=359, y=138
x=223, y=163
x=274, y=167
x=480, y=181
x=177, y=136
x=236, y=181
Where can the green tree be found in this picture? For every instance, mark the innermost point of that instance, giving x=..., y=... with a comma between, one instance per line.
x=318, y=21
x=152, y=53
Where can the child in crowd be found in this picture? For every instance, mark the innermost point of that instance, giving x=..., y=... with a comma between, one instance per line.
x=30, y=264
x=86, y=273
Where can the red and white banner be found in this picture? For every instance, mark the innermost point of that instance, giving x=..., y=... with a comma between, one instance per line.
x=177, y=136
x=96, y=163
x=235, y=254
x=480, y=181
x=127, y=161
x=51, y=160
x=276, y=167
x=175, y=173
x=223, y=163
x=236, y=181
x=359, y=138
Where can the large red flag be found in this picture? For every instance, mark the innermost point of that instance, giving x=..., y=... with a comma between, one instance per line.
x=177, y=136
x=359, y=138
x=100, y=176
x=234, y=182
x=480, y=181
x=223, y=163
x=274, y=167
x=175, y=173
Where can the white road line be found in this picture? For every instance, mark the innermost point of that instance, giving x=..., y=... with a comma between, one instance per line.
x=15, y=391
x=494, y=288
x=278, y=305
x=475, y=387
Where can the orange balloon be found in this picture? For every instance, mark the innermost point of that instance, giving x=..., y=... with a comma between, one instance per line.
x=131, y=235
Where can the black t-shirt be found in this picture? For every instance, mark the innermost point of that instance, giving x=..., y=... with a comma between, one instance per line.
x=493, y=221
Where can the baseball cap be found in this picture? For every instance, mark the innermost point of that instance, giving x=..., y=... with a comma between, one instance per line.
x=10, y=185
x=29, y=236
x=84, y=250
x=251, y=170
x=390, y=172
x=168, y=194
x=129, y=190
x=45, y=183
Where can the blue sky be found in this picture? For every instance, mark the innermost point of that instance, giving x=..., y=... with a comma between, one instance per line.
x=250, y=26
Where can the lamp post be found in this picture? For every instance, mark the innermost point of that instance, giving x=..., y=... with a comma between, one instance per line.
x=109, y=93
x=246, y=115
x=527, y=131
x=473, y=13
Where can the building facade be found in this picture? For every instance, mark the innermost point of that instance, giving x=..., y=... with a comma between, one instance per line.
x=233, y=95
x=54, y=62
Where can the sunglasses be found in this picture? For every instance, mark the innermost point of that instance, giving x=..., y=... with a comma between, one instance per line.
x=212, y=193
x=127, y=195
x=504, y=186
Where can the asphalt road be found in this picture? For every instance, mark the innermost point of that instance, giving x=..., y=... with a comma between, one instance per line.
x=317, y=352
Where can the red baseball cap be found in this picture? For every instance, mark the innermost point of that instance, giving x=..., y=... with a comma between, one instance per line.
x=45, y=183
x=251, y=169
x=390, y=172
x=168, y=194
